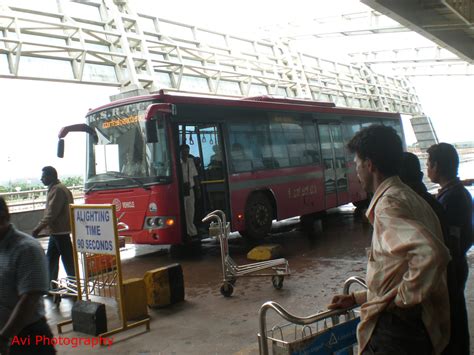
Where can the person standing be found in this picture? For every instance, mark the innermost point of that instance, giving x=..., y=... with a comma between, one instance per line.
x=56, y=223
x=442, y=166
x=190, y=183
x=412, y=175
x=23, y=281
x=405, y=309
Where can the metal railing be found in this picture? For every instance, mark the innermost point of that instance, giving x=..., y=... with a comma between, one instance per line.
x=30, y=200
x=107, y=42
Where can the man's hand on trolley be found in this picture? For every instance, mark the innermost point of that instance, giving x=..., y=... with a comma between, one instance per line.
x=342, y=301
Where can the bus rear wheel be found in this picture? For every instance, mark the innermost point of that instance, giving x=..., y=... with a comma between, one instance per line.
x=258, y=217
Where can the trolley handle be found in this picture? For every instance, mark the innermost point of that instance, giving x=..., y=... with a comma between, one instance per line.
x=301, y=320
x=121, y=227
x=220, y=217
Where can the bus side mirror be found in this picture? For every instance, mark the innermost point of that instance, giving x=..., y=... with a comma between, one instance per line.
x=61, y=148
x=151, y=133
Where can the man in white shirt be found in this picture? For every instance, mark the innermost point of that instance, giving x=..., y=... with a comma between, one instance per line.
x=190, y=183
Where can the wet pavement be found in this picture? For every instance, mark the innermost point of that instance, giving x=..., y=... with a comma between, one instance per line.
x=208, y=323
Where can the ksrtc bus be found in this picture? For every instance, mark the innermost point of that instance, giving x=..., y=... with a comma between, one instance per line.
x=259, y=159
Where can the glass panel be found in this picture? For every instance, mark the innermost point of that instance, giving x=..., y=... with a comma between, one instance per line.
x=194, y=83
x=212, y=158
x=257, y=89
x=163, y=79
x=279, y=143
x=281, y=91
x=340, y=159
x=311, y=154
x=4, y=64
x=97, y=72
x=249, y=145
x=135, y=162
x=229, y=88
x=83, y=10
x=175, y=31
x=51, y=68
x=349, y=129
x=397, y=125
x=212, y=39
x=328, y=158
x=268, y=50
x=241, y=45
x=45, y=40
x=147, y=24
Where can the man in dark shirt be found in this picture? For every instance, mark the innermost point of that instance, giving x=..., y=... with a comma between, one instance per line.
x=443, y=163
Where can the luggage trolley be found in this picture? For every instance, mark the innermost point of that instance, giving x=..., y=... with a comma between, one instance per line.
x=324, y=333
x=67, y=286
x=230, y=270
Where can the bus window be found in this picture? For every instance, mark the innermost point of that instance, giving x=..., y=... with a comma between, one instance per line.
x=279, y=145
x=395, y=124
x=294, y=135
x=311, y=155
x=248, y=141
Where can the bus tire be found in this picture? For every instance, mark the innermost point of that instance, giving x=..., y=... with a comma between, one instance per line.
x=307, y=222
x=258, y=216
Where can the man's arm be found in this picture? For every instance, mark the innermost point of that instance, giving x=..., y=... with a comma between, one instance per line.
x=346, y=301
x=194, y=173
x=56, y=201
x=458, y=209
x=425, y=253
x=31, y=283
x=18, y=318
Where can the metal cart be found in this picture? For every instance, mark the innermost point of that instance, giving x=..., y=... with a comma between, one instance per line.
x=230, y=270
x=67, y=286
x=325, y=333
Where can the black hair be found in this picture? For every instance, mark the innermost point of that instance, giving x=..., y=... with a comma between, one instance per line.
x=50, y=171
x=410, y=169
x=446, y=158
x=4, y=213
x=184, y=145
x=382, y=145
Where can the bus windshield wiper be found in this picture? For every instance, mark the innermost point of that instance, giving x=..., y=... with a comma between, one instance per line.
x=116, y=174
x=94, y=186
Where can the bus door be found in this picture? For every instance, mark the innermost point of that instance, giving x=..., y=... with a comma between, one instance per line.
x=334, y=161
x=205, y=142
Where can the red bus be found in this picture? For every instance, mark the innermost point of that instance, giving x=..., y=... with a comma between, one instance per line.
x=259, y=159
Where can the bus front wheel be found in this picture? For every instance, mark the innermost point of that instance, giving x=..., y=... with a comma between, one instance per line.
x=258, y=216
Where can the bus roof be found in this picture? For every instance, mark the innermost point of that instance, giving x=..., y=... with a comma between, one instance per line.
x=258, y=102
x=288, y=100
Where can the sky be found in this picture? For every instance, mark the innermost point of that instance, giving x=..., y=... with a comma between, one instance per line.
x=34, y=111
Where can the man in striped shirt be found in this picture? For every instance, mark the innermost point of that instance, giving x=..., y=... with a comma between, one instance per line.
x=405, y=309
x=23, y=281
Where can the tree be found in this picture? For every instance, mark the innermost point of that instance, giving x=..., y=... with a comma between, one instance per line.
x=73, y=181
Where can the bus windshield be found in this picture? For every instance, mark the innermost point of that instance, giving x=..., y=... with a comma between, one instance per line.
x=121, y=157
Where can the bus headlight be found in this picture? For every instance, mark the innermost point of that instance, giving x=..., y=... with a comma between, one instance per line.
x=158, y=222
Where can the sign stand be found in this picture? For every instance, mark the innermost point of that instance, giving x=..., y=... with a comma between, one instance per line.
x=97, y=259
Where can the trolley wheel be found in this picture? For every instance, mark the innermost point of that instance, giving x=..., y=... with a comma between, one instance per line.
x=258, y=216
x=227, y=289
x=277, y=281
